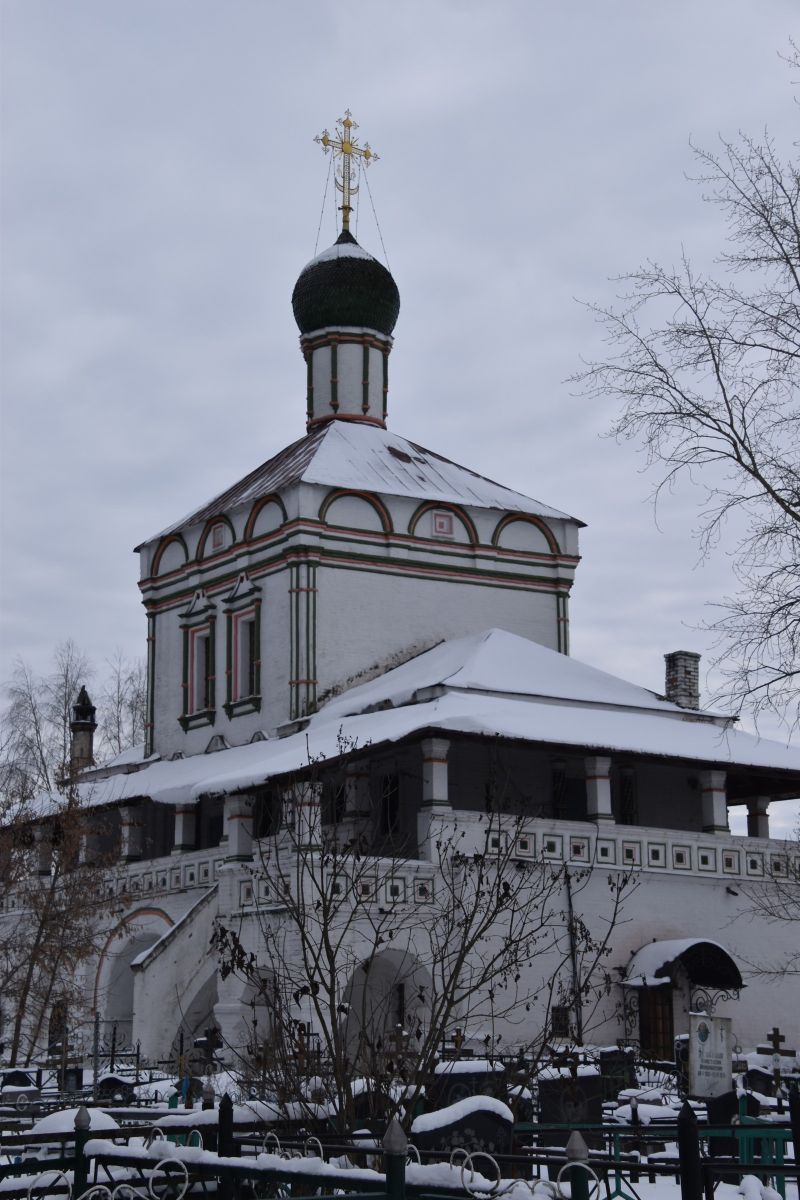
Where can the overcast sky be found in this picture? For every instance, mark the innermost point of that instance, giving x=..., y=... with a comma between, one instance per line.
x=161, y=192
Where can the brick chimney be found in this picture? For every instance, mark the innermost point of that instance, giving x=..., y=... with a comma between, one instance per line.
x=82, y=727
x=682, y=684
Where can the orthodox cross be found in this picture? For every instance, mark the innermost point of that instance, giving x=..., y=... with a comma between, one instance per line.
x=345, y=148
x=775, y=1038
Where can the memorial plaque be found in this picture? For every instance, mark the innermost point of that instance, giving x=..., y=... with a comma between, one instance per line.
x=710, y=1055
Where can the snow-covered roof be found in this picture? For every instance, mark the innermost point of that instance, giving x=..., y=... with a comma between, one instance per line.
x=502, y=663
x=479, y=688
x=364, y=457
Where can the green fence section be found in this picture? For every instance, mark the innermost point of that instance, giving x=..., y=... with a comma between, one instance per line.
x=96, y=1165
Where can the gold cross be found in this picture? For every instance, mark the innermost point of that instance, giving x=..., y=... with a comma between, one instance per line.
x=345, y=147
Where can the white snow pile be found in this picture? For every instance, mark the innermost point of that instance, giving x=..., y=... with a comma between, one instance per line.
x=460, y=1111
x=62, y=1123
x=752, y=1188
x=582, y=1072
x=647, y=1113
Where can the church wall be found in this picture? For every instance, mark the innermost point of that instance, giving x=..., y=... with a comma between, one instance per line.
x=365, y=619
x=659, y=906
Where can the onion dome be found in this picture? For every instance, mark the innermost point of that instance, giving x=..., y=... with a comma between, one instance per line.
x=345, y=285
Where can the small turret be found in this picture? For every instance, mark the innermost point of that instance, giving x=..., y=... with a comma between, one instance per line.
x=82, y=727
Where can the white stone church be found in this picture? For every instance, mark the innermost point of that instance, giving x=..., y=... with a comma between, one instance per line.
x=364, y=622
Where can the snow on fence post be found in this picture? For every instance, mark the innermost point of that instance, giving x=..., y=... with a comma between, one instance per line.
x=395, y=1148
x=689, y=1154
x=577, y=1154
x=225, y=1145
x=82, y=1130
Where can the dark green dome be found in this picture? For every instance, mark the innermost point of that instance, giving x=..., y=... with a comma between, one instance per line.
x=345, y=286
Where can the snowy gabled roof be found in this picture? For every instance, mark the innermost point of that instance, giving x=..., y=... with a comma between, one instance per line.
x=365, y=457
x=493, y=684
x=502, y=663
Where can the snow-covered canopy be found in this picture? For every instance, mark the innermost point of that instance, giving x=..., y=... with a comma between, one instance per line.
x=494, y=684
x=707, y=963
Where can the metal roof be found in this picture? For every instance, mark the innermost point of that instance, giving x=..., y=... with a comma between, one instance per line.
x=365, y=457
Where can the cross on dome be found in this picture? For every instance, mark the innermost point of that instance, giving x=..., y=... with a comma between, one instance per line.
x=345, y=147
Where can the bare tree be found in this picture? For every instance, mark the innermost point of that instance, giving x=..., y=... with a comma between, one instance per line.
x=122, y=704
x=49, y=916
x=367, y=963
x=707, y=368
x=36, y=733
x=50, y=848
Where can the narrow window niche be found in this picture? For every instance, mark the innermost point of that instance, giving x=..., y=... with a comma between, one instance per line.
x=199, y=657
x=243, y=649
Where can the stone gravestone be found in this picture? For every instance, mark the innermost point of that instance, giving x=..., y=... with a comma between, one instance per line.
x=111, y=1087
x=72, y=1079
x=617, y=1071
x=759, y=1079
x=456, y=1079
x=571, y=1102
x=721, y=1111
x=475, y=1123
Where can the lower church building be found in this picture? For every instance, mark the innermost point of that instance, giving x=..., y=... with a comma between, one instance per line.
x=365, y=731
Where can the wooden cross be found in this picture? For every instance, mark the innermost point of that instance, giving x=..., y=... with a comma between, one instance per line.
x=345, y=147
x=775, y=1039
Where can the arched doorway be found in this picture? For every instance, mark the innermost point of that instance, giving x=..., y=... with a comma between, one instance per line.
x=387, y=1003
x=114, y=983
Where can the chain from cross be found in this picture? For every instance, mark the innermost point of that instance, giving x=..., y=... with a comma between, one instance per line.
x=345, y=147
